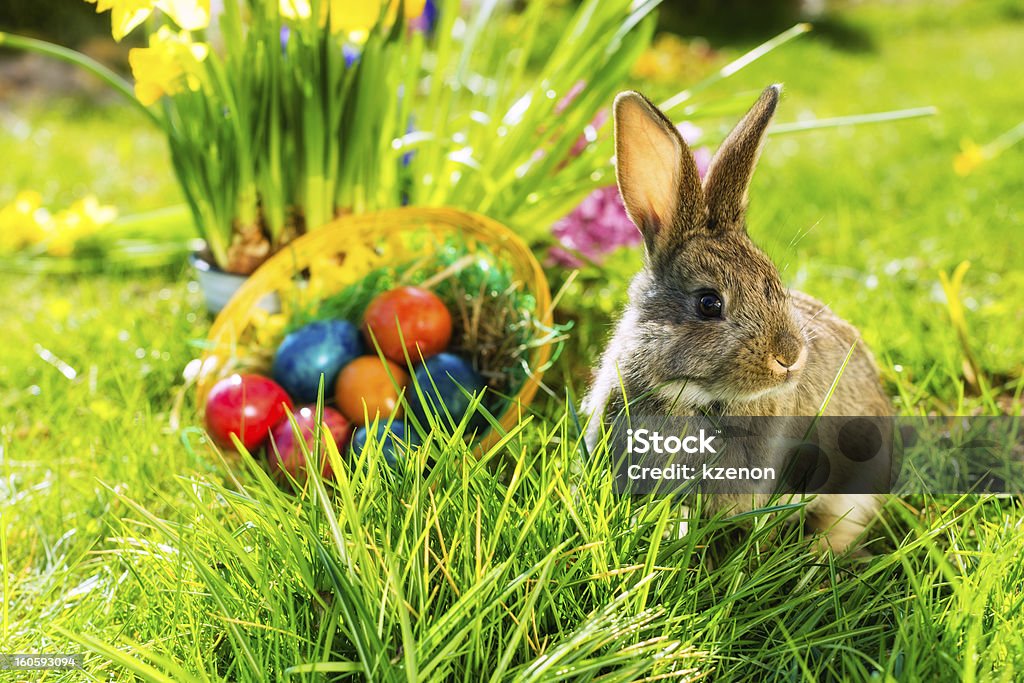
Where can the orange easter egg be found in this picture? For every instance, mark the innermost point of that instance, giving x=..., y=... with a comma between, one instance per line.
x=368, y=388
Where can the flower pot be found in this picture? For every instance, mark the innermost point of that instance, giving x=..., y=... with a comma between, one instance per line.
x=219, y=286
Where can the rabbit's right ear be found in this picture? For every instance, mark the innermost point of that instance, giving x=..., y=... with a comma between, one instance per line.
x=656, y=172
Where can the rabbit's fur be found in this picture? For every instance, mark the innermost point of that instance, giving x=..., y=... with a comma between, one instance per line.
x=772, y=352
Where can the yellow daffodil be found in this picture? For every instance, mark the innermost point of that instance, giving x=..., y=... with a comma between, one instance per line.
x=169, y=64
x=970, y=157
x=671, y=58
x=23, y=222
x=82, y=219
x=189, y=15
x=294, y=9
x=351, y=16
x=125, y=15
x=360, y=16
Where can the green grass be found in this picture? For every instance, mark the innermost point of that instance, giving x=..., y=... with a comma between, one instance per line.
x=126, y=537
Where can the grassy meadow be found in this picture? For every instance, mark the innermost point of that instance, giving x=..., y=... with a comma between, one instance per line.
x=126, y=536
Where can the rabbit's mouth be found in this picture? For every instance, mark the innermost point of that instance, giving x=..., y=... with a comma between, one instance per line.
x=687, y=393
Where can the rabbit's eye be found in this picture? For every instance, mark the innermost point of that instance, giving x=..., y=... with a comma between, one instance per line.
x=709, y=305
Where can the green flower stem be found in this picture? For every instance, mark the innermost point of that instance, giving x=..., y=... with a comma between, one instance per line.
x=235, y=93
x=78, y=59
x=264, y=79
x=238, y=121
x=1004, y=141
x=214, y=234
x=272, y=187
x=854, y=120
x=734, y=66
x=317, y=198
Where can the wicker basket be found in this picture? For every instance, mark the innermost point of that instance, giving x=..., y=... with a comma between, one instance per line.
x=346, y=250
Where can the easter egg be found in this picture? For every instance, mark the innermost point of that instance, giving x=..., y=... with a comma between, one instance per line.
x=439, y=379
x=393, y=441
x=410, y=315
x=284, y=452
x=247, y=406
x=369, y=386
x=320, y=348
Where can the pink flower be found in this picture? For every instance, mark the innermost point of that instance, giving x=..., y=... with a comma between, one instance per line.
x=702, y=155
x=690, y=132
x=567, y=99
x=599, y=225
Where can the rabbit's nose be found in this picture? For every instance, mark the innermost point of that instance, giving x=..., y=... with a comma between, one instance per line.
x=785, y=363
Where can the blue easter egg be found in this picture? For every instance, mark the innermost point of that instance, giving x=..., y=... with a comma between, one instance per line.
x=391, y=440
x=320, y=348
x=440, y=378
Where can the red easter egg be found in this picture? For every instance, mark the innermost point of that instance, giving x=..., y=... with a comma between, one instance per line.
x=370, y=387
x=424, y=321
x=284, y=452
x=247, y=406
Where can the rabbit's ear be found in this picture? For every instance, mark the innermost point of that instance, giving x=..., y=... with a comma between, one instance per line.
x=656, y=172
x=728, y=176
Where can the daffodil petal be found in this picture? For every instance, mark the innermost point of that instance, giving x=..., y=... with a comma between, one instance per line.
x=189, y=15
x=294, y=9
x=125, y=16
x=148, y=93
x=167, y=65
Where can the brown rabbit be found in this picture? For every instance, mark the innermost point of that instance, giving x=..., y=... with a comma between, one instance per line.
x=709, y=325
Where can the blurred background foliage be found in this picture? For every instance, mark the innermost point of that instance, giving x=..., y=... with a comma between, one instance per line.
x=78, y=21
x=863, y=217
